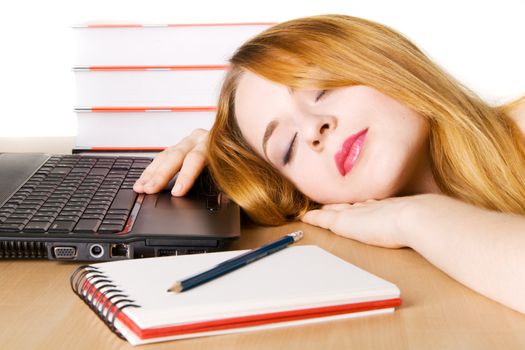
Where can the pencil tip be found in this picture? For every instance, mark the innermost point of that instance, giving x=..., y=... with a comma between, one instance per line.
x=176, y=288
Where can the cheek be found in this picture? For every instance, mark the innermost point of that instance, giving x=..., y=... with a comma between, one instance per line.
x=392, y=161
x=319, y=185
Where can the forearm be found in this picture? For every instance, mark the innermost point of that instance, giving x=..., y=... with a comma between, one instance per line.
x=482, y=249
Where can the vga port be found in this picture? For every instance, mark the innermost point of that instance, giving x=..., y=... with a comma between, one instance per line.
x=64, y=252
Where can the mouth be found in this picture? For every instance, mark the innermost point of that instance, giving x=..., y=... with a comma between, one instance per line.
x=349, y=152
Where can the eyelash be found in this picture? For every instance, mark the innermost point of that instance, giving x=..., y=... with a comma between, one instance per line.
x=320, y=95
x=288, y=154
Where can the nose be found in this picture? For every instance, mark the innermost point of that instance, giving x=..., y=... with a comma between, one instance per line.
x=316, y=129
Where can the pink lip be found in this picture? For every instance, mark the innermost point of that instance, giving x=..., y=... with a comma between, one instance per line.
x=347, y=155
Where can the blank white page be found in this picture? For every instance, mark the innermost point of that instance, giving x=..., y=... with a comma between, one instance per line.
x=297, y=277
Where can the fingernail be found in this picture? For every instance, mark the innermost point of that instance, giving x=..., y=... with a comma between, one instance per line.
x=177, y=188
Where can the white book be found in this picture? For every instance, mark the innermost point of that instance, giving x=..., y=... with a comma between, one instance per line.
x=128, y=45
x=197, y=86
x=138, y=130
x=298, y=285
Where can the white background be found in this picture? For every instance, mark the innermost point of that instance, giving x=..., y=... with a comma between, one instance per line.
x=480, y=42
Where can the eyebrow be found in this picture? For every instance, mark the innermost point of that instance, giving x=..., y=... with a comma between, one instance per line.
x=268, y=133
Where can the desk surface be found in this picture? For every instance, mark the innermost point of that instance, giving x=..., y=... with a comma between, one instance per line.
x=38, y=309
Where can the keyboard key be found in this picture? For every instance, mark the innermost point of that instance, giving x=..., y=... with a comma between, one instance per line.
x=87, y=226
x=26, y=211
x=5, y=227
x=74, y=207
x=62, y=226
x=37, y=226
x=29, y=206
x=118, y=212
x=41, y=193
x=43, y=218
x=140, y=165
x=104, y=228
x=11, y=220
x=71, y=212
x=19, y=216
x=93, y=216
x=10, y=205
x=105, y=203
x=102, y=198
x=47, y=213
x=95, y=211
x=116, y=217
x=99, y=171
x=113, y=222
x=57, y=200
x=122, y=166
x=67, y=218
x=33, y=201
x=59, y=170
x=53, y=207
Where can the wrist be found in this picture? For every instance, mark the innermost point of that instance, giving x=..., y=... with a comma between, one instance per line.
x=412, y=217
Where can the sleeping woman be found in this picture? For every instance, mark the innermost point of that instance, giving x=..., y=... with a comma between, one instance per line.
x=345, y=124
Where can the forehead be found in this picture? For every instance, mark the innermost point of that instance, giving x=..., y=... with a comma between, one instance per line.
x=258, y=101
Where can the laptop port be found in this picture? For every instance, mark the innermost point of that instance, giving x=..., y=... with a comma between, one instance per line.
x=196, y=251
x=96, y=251
x=119, y=250
x=64, y=252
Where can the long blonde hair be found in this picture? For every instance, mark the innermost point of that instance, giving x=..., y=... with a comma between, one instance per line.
x=477, y=152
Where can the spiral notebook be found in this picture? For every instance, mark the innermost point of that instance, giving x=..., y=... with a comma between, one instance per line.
x=298, y=285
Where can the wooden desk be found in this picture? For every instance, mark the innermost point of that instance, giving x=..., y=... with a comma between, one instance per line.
x=39, y=311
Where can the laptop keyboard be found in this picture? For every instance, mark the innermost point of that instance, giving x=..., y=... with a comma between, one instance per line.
x=75, y=194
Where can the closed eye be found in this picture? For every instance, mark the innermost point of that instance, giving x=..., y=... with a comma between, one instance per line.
x=288, y=155
x=320, y=94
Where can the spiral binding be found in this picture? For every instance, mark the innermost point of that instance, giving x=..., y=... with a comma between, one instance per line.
x=100, y=288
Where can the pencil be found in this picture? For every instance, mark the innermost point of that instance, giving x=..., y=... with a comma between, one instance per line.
x=235, y=263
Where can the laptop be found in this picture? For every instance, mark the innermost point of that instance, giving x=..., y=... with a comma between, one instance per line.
x=82, y=207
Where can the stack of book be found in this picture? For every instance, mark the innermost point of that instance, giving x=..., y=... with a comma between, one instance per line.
x=145, y=87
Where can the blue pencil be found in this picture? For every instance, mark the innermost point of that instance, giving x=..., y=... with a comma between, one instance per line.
x=235, y=263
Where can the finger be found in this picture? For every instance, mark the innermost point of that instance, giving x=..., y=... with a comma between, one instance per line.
x=138, y=186
x=149, y=172
x=167, y=163
x=154, y=175
x=321, y=217
x=165, y=170
x=192, y=166
x=337, y=206
x=169, y=154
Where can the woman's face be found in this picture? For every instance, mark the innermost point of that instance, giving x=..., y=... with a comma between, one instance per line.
x=344, y=145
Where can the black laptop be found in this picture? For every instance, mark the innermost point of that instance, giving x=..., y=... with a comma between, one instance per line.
x=83, y=207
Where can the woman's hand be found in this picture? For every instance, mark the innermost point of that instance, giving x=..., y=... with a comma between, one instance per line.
x=188, y=157
x=376, y=222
